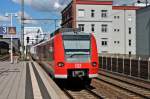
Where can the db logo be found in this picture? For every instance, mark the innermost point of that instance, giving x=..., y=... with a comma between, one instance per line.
x=78, y=65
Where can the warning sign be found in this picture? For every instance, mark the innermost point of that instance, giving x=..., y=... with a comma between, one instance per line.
x=12, y=30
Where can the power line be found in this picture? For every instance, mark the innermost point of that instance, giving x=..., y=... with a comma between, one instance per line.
x=41, y=19
x=68, y=1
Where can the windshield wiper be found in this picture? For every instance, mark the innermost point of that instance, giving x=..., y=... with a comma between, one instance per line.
x=77, y=54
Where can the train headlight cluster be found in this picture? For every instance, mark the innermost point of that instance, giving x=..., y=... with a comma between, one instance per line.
x=94, y=63
x=60, y=64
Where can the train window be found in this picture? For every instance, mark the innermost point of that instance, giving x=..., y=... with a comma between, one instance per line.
x=51, y=51
x=76, y=37
x=77, y=48
x=77, y=45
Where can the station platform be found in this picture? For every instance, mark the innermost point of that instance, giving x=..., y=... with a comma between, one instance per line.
x=27, y=80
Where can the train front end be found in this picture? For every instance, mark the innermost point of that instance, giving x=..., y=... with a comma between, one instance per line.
x=77, y=57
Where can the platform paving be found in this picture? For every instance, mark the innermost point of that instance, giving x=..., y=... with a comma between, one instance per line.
x=26, y=80
x=12, y=80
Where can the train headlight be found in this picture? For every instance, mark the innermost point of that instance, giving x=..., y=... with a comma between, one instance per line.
x=94, y=64
x=60, y=64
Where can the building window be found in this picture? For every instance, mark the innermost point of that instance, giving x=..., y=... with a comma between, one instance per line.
x=129, y=42
x=117, y=42
x=81, y=27
x=116, y=30
x=103, y=13
x=92, y=13
x=130, y=30
x=116, y=17
x=130, y=18
x=104, y=43
x=104, y=28
x=92, y=27
x=130, y=53
x=81, y=12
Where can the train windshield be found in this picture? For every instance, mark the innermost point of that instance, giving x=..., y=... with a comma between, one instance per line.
x=77, y=48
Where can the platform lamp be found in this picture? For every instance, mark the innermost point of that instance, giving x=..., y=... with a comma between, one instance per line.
x=11, y=25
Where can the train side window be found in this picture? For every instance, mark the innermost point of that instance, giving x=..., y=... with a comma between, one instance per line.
x=53, y=49
x=50, y=52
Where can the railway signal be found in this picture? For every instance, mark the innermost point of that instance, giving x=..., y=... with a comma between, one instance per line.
x=28, y=39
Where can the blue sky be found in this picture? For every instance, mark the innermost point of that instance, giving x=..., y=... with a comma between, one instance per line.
x=33, y=9
x=38, y=9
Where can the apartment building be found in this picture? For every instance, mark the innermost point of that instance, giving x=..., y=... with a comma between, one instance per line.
x=113, y=26
x=123, y=34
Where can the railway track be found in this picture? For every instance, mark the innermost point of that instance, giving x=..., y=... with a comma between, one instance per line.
x=85, y=93
x=128, y=90
x=128, y=79
x=77, y=91
x=138, y=91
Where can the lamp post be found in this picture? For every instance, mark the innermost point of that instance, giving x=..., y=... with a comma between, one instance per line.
x=11, y=25
x=146, y=3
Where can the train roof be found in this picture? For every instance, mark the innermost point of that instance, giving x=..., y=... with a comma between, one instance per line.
x=69, y=31
x=64, y=31
x=41, y=43
x=75, y=33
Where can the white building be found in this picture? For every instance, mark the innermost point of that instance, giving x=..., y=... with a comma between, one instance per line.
x=113, y=26
x=34, y=34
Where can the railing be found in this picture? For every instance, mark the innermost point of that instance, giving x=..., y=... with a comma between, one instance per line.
x=131, y=66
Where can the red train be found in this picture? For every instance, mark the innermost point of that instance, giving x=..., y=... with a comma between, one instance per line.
x=69, y=55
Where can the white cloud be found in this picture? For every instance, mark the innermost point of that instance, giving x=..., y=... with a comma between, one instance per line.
x=26, y=16
x=48, y=5
x=4, y=18
x=45, y=5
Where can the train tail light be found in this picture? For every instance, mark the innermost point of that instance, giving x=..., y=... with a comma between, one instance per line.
x=94, y=64
x=60, y=64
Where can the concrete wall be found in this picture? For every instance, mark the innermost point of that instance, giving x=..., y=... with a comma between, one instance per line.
x=143, y=31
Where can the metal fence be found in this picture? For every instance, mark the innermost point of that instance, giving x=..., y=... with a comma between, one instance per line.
x=131, y=66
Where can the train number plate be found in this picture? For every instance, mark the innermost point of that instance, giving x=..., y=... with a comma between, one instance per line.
x=78, y=65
